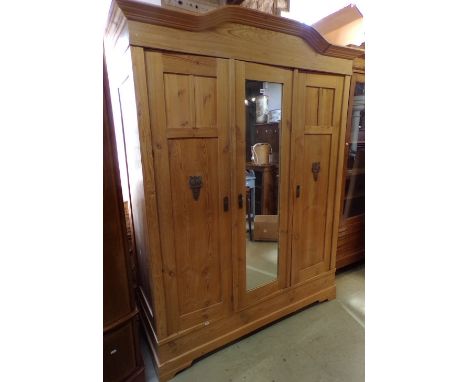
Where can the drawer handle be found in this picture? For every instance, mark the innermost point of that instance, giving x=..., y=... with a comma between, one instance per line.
x=113, y=351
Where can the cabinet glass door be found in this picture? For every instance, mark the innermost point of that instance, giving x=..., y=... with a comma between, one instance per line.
x=353, y=203
x=263, y=96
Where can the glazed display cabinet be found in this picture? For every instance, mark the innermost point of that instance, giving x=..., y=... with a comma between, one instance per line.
x=351, y=238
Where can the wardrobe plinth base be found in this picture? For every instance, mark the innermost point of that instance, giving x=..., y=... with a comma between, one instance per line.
x=177, y=352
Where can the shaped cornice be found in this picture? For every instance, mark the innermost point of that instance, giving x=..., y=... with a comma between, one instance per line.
x=152, y=14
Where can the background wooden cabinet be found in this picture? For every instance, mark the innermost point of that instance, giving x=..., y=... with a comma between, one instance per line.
x=121, y=356
x=351, y=243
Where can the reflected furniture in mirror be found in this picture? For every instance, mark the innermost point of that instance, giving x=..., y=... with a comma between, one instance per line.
x=351, y=232
x=263, y=103
x=267, y=95
x=234, y=125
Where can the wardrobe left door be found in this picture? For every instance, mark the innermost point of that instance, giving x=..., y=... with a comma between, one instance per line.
x=189, y=112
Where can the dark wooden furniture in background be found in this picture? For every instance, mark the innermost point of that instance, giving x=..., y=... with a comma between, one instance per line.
x=181, y=84
x=269, y=133
x=351, y=242
x=266, y=176
x=121, y=359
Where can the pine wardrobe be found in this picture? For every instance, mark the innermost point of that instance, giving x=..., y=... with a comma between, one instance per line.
x=195, y=93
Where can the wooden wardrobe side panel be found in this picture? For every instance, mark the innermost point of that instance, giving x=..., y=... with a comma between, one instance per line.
x=133, y=109
x=135, y=175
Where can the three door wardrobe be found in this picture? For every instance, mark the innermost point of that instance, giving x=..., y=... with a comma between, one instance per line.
x=234, y=127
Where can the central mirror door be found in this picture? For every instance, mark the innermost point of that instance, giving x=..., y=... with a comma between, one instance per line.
x=263, y=129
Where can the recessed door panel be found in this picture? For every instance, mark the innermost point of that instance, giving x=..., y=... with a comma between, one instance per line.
x=316, y=150
x=189, y=123
x=196, y=222
x=190, y=101
x=177, y=97
x=326, y=99
x=205, y=102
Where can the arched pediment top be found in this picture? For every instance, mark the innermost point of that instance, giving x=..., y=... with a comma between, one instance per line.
x=151, y=14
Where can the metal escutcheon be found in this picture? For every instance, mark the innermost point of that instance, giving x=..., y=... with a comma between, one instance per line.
x=195, y=183
x=315, y=170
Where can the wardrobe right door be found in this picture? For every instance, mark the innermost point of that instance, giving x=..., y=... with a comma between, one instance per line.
x=316, y=135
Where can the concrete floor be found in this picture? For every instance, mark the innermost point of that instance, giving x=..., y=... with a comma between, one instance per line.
x=322, y=343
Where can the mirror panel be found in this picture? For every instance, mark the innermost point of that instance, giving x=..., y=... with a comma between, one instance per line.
x=263, y=102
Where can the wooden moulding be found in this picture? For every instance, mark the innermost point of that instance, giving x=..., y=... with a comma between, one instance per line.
x=150, y=14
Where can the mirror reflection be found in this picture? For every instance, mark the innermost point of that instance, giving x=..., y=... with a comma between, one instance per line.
x=262, y=156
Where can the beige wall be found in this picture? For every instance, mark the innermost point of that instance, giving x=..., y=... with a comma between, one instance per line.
x=352, y=33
